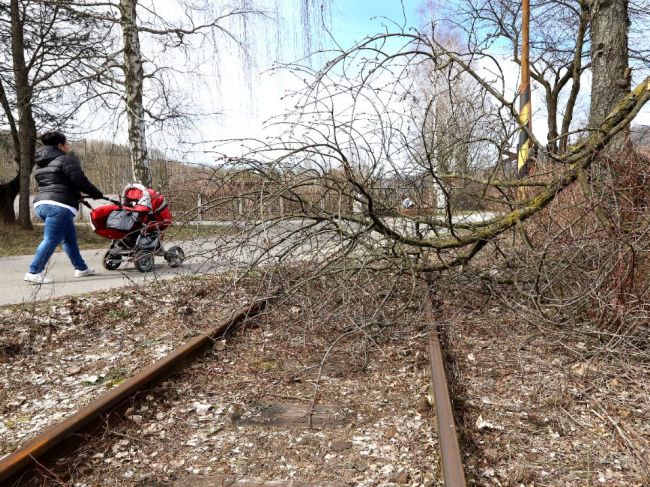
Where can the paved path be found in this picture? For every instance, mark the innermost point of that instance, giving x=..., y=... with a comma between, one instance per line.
x=203, y=255
x=14, y=290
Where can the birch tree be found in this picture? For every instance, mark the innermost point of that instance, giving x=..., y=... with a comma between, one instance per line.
x=133, y=83
x=207, y=20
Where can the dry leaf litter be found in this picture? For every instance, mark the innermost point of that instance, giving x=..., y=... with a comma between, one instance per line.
x=55, y=357
x=544, y=406
x=371, y=422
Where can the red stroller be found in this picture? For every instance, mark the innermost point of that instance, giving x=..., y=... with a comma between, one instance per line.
x=135, y=226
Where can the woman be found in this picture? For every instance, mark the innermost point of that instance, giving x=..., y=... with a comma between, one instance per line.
x=60, y=184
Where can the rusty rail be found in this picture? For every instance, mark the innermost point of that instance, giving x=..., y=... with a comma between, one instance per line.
x=27, y=455
x=452, y=464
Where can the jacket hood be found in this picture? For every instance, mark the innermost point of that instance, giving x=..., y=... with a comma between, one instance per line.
x=47, y=154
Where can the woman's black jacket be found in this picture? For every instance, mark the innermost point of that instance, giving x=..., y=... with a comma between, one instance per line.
x=60, y=178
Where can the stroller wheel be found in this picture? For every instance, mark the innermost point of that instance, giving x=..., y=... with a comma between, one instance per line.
x=144, y=262
x=175, y=256
x=111, y=261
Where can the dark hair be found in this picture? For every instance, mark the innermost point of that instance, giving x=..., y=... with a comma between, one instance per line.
x=53, y=138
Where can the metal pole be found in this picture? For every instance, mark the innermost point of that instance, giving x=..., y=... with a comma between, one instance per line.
x=525, y=108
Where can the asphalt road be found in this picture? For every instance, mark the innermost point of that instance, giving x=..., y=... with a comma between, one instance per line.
x=202, y=256
x=14, y=290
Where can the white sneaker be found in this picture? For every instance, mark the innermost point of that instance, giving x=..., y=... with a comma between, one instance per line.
x=38, y=278
x=86, y=272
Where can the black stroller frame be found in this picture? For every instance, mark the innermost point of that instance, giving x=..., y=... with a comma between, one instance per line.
x=141, y=246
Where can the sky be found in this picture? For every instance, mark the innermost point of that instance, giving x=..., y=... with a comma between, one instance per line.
x=244, y=115
x=244, y=100
x=351, y=21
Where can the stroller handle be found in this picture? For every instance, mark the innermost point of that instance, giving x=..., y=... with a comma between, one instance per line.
x=115, y=202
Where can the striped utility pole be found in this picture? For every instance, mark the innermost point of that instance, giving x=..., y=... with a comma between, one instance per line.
x=525, y=109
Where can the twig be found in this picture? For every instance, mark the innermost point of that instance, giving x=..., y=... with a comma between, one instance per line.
x=50, y=474
x=320, y=374
x=634, y=449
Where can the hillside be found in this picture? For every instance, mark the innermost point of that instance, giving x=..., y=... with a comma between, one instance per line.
x=108, y=165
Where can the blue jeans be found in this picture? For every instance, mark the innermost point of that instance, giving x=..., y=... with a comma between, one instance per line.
x=59, y=228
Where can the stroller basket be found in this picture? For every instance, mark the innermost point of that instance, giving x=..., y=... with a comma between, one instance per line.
x=122, y=220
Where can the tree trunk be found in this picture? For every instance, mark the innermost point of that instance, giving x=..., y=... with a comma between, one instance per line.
x=8, y=192
x=610, y=83
x=611, y=80
x=551, y=109
x=26, y=124
x=575, y=80
x=611, y=77
x=134, y=78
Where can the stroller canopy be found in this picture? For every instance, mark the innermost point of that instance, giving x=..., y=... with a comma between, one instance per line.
x=136, y=194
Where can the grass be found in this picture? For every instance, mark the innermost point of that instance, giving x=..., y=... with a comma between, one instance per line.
x=16, y=241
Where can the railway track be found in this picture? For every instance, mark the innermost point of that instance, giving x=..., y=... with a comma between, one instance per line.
x=14, y=465
x=450, y=456
x=44, y=449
